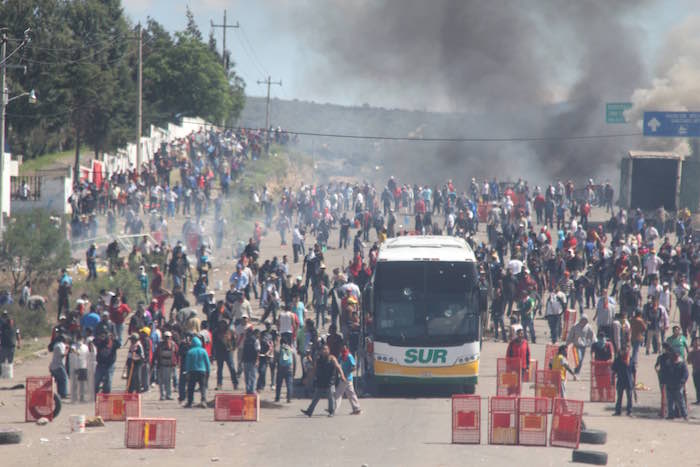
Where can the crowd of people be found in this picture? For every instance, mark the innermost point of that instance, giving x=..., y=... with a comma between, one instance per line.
x=541, y=256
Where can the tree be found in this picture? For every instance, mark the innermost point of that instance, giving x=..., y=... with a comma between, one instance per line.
x=33, y=249
x=192, y=30
x=185, y=78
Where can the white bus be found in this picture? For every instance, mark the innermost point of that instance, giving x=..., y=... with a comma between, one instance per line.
x=422, y=322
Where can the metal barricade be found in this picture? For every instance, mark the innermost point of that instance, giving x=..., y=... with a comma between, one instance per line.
x=155, y=433
x=466, y=419
x=602, y=382
x=509, y=375
x=532, y=421
x=566, y=423
x=503, y=423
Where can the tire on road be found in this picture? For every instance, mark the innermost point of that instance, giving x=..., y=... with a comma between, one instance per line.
x=10, y=436
x=56, y=405
x=591, y=436
x=589, y=457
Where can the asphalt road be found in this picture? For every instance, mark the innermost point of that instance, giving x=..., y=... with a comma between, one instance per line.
x=400, y=430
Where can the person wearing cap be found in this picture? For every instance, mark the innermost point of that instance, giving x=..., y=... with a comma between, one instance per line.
x=166, y=360
x=581, y=335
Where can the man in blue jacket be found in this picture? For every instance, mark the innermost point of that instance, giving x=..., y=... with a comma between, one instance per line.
x=197, y=371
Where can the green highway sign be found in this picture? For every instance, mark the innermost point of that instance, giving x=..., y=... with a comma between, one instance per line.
x=614, y=112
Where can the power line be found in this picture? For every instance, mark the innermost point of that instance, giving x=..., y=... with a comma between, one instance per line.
x=435, y=140
x=246, y=45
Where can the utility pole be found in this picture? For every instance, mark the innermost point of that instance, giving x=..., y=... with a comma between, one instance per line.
x=140, y=103
x=224, y=26
x=3, y=103
x=269, y=83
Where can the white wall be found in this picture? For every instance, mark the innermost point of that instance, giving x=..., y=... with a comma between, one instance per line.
x=11, y=170
x=55, y=191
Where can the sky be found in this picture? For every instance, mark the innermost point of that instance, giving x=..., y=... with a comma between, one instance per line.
x=275, y=40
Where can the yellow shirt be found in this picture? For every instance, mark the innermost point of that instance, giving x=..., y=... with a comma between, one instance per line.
x=559, y=363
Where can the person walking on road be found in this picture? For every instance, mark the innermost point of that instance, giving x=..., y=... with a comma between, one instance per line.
x=582, y=336
x=519, y=348
x=197, y=370
x=166, y=359
x=346, y=387
x=325, y=370
x=624, y=382
x=251, y=356
x=285, y=371
x=560, y=364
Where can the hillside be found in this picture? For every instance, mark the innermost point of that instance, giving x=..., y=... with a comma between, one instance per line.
x=434, y=161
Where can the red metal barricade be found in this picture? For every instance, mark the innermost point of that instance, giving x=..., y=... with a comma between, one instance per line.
x=548, y=386
x=503, y=420
x=236, y=408
x=566, y=423
x=602, y=382
x=550, y=351
x=157, y=433
x=117, y=407
x=38, y=399
x=569, y=321
x=466, y=419
x=509, y=373
x=529, y=375
x=532, y=421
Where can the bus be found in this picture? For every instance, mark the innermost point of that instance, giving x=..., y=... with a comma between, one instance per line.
x=422, y=314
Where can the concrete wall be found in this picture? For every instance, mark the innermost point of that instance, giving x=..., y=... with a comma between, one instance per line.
x=11, y=170
x=56, y=188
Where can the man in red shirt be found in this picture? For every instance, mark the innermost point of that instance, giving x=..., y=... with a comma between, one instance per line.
x=519, y=348
x=118, y=313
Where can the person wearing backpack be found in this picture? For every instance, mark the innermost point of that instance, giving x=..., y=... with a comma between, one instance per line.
x=251, y=351
x=285, y=371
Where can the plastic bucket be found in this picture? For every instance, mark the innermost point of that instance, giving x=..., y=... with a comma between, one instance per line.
x=77, y=423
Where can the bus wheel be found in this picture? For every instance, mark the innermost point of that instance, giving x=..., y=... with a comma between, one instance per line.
x=469, y=389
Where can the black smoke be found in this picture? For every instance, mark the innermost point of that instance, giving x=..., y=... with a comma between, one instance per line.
x=508, y=68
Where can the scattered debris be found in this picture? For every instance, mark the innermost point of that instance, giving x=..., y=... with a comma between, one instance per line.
x=42, y=421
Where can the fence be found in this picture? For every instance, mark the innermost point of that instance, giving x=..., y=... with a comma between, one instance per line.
x=38, y=400
x=237, y=408
x=566, y=423
x=503, y=425
x=118, y=406
x=548, y=386
x=532, y=421
x=26, y=188
x=140, y=433
x=509, y=374
x=602, y=382
x=466, y=419
x=569, y=321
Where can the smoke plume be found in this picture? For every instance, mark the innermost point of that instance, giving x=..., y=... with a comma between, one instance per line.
x=510, y=68
x=676, y=86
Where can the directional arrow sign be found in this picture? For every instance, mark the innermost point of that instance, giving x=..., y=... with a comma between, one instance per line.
x=672, y=124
